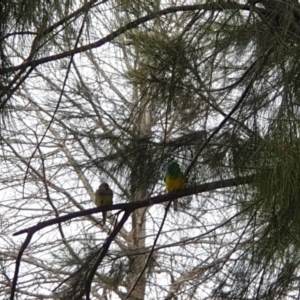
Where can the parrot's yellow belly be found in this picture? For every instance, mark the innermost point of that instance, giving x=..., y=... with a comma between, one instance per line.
x=103, y=200
x=173, y=184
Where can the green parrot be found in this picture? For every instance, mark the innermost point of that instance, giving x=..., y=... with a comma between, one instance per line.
x=103, y=197
x=174, y=180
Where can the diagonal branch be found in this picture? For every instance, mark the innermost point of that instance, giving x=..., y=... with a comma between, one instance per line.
x=18, y=263
x=103, y=252
x=205, y=187
x=123, y=29
x=233, y=110
x=151, y=252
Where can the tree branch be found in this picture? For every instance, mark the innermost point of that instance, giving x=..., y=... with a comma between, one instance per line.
x=123, y=29
x=143, y=203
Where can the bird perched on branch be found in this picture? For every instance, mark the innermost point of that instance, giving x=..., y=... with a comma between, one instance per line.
x=174, y=180
x=103, y=197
